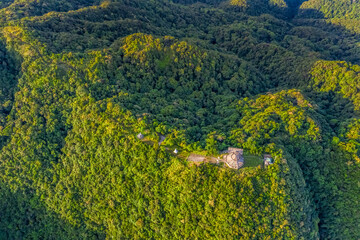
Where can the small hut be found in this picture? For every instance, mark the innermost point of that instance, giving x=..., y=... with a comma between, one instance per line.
x=268, y=160
x=140, y=136
x=176, y=151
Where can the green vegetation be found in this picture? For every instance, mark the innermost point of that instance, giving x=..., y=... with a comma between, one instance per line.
x=253, y=161
x=80, y=79
x=335, y=9
x=340, y=12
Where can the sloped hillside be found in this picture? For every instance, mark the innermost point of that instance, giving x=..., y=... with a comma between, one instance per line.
x=79, y=80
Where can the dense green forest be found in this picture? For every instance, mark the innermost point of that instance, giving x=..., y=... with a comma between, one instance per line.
x=80, y=79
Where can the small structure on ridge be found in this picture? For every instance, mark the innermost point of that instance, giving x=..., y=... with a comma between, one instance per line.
x=268, y=160
x=234, y=158
x=140, y=136
x=176, y=151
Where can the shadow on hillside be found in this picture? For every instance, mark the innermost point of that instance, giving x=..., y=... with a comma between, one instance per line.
x=9, y=74
x=24, y=217
x=5, y=3
x=332, y=43
x=328, y=171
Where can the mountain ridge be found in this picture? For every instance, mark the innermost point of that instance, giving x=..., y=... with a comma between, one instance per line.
x=80, y=80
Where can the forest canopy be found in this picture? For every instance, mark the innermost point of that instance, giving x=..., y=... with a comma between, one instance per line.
x=102, y=102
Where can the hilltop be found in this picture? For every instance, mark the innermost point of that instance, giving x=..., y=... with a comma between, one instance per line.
x=79, y=80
